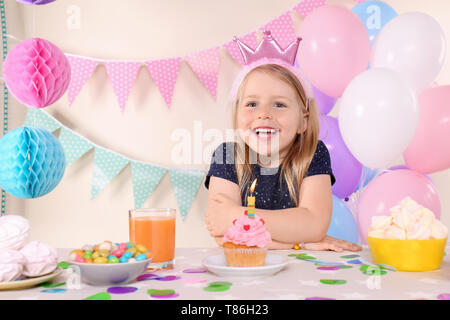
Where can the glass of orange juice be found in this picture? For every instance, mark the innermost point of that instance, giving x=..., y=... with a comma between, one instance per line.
x=155, y=229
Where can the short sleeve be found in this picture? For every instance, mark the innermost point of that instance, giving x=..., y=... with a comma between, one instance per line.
x=222, y=164
x=321, y=162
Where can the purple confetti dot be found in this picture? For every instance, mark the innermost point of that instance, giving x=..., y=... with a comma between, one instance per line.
x=168, y=278
x=173, y=295
x=444, y=296
x=121, y=290
x=195, y=270
x=147, y=276
x=328, y=268
x=319, y=298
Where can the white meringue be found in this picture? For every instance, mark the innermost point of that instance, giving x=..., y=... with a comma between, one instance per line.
x=13, y=231
x=408, y=220
x=40, y=257
x=11, y=264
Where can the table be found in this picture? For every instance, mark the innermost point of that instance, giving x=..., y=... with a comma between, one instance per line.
x=300, y=279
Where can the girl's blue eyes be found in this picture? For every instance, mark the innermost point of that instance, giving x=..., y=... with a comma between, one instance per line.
x=253, y=104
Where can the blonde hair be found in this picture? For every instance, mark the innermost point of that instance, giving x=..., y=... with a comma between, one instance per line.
x=295, y=165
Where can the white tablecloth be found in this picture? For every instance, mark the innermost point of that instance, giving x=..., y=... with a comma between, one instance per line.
x=299, y=280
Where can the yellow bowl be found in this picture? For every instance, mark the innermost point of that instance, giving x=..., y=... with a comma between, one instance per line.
x=408, y=255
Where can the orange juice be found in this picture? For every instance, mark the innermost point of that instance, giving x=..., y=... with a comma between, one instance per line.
x=157, y=233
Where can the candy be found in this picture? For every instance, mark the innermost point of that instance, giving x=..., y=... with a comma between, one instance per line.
x=123, y=246
x=140, y=248
x=132, y=260
x=100, y=260
x=114, y=259
x=123, y=259
x=128, y=255
x=103, y=253
x=79, y=259
x=141, y=257
x=130, y=245
x=132, y=250
x=118, y=253
x=105, y=245
x=88, y=260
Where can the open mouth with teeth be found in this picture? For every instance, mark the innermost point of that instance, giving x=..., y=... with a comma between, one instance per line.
x=265, y=133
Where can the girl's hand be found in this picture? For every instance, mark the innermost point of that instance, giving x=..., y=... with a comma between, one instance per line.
x=220, y=221
x=330, y=243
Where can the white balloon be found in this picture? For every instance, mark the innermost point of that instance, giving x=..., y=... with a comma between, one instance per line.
x=413, y=44
x=378, y=116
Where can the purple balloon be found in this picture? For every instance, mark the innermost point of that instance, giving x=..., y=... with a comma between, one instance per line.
x=402, y=166
x=346, y=168
x=324, y=102
x=38, y=2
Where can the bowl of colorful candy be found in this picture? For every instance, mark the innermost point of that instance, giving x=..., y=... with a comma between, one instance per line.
x=110, y=263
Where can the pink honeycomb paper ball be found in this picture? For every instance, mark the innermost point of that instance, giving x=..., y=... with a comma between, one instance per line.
x=36, y=72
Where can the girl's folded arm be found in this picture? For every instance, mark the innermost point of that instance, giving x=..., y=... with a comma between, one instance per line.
x=308, y=222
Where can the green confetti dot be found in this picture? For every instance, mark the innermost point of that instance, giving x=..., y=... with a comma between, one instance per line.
x=216, y=288
x=332, y=281
x=159, y=292
x=306, y=257
x=344, y=267
x=350, y=256
x=52, y=285
x=220, y=283
x=372, y=270
x=63, y=265
x=99, y=296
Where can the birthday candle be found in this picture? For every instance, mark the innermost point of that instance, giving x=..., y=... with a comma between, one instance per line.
x=251, y=201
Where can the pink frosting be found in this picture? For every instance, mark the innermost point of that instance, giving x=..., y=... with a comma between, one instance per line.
x=40, y=258
x=248, y=231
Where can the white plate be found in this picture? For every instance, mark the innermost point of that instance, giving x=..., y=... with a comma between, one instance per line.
x=218, y=265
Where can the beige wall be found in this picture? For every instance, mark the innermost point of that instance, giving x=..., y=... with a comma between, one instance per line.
x=138, y=30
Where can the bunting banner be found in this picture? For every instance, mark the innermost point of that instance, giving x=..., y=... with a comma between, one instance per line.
x=108, y=164
x=164, y=72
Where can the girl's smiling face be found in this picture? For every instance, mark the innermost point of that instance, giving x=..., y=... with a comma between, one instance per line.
x=269, y=115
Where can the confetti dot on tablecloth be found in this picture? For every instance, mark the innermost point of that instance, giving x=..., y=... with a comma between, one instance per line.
x=191, y=280
x=63, y=265
x=372, y=270
x=174, y=295
x=333, y=281
x=54, y=290
x=350, y=256
x=319, y=298
x=52, y=285
x=328, y=268
x=195, y=270
x=344, y=267
x=167, y=278
x=160, y=292
x=306, y=257
x=386, y=266
x=121, y=290
x=99, y=296
x=147, y=276
x=444, y=296
x=218, y=286
x=356, y=261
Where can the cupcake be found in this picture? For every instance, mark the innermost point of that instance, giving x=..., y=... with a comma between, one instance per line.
x=40, y=259
x=13, y=231
x=11, y=264
x=245, y=242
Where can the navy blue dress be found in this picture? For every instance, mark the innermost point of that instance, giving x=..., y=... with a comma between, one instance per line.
x=269, y=193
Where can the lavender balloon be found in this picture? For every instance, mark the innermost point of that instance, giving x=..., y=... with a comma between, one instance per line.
x=37, y=2
x=324, y=102
x=346, y=168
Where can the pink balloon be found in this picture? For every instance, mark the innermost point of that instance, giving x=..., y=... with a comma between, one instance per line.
x=428, y=151
x=335, y=47
x=388, y=189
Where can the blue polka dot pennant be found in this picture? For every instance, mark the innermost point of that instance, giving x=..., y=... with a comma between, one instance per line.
x=145, y=178
x=74, y=146
x=186, y=184
x=38, y=118
x=106, y=166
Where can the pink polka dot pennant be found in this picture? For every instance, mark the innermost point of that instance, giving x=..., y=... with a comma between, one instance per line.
x=282, y=29
x=164, y=72
x=206, y=66
x=233, y=50
x=81, y=71
x=122, y=75
x=305, y=7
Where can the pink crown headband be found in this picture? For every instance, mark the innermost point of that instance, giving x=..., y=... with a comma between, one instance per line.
x=270, y=52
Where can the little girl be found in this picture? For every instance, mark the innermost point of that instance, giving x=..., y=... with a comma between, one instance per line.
x=277, y=127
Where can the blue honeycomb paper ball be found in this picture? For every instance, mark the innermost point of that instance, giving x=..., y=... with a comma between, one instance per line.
x=32, y=162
